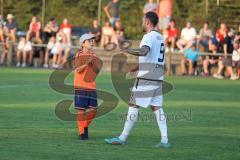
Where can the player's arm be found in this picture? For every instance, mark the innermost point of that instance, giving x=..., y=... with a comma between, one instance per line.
x=80, y=68
x=97, y=65
x=143, y=51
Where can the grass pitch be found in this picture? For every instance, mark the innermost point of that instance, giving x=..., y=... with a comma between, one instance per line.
x=203, y=122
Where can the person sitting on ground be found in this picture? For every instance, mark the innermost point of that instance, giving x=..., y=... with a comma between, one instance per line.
x=190, y=57
x=51, y=29
x=107, y=34
x=96, y=30
x=24, y=51
x=228, y=50
x=188, y=37
x=49, y=48
x=34, y=31
x=205, y=36
x=172, y=35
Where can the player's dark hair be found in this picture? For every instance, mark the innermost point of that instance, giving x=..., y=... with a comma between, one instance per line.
x=153, y=17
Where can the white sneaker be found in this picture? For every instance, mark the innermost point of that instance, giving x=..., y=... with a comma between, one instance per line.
x=218, y=76
x=18, y=64
x=234, y=77
x=24, y=65
x=172, y=50
x=45, y=66
x=167, y=50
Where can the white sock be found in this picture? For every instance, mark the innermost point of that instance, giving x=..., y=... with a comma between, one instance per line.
x=131, y=119
x=162, y=124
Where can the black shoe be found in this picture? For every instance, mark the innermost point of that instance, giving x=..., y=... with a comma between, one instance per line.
x=86, y=132
x=82, y=137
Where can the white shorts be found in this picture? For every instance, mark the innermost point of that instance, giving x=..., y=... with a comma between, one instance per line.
x=50, y=45
x=58, y=47
x=147, y=93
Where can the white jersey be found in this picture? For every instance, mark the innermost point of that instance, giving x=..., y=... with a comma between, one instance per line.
x=151, y=66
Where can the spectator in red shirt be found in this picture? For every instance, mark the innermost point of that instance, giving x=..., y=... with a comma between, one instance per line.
x=34, y=30
x=220, y=36
x=172, y=36
x=66, y=28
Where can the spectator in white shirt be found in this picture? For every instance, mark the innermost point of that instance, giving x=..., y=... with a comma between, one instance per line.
x=188, y=37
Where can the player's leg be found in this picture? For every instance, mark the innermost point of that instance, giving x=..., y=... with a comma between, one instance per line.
x=156, y=106
x=132, y=117
x=162, y=124
x=81, y=103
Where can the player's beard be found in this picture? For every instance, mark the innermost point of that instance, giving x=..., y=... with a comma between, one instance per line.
x=144, y=29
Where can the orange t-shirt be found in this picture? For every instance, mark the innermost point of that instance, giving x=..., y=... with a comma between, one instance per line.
x=86, y=78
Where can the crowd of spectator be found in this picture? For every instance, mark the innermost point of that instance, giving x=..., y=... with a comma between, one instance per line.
x=222, y=46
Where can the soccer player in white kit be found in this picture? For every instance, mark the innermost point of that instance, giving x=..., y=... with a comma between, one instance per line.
x=147, y=90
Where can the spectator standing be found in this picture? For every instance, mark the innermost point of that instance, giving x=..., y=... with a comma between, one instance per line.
x=205, y=36
x=172, y=36
x=112, y=11
x=164, y=13
x=151, y=6
x=188, y=37
x=96, y=30
x=190, y=57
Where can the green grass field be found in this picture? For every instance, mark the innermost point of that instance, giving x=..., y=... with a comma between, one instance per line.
x=204, y=122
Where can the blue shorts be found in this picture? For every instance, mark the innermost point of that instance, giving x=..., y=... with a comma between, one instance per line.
x=84, y=99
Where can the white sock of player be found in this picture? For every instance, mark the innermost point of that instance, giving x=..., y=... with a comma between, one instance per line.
x=131, y=119
x=162, y=124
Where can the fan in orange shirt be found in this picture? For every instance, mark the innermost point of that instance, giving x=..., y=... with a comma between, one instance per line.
x=87, y=66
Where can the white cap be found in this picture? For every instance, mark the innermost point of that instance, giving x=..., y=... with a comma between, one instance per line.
x=85, y=37
x=10, y=16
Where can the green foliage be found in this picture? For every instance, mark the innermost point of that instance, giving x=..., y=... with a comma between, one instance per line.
x=82, y=12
